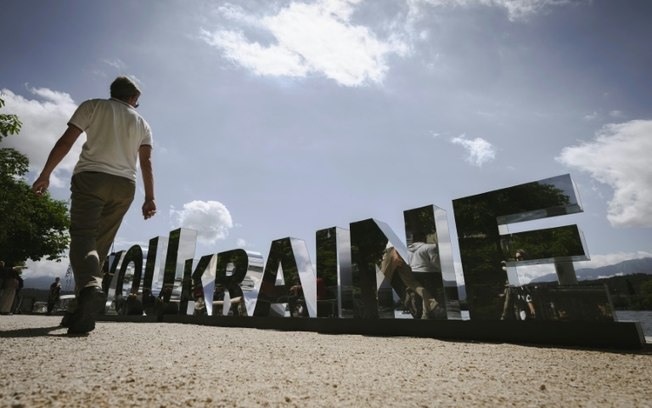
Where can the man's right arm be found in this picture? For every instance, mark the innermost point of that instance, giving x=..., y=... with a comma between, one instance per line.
x=59, y=151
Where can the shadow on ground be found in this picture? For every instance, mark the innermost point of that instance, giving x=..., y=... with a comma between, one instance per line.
x=32, y=332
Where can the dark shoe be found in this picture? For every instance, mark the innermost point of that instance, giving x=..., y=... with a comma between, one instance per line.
x=92, y=301
x=65, y=320
x=72, y=306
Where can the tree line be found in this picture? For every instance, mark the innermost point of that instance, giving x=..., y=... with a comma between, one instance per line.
x=31, y=227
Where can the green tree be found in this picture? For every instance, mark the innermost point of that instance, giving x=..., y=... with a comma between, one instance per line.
x=9, y=124
x=643, y=301
x=31, y=227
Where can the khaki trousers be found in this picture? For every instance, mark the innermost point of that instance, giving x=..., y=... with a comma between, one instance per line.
x=99, y=201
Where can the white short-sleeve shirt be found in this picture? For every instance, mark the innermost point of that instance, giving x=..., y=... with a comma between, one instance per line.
x=114, y=134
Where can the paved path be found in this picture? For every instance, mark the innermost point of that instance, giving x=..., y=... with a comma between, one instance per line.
x=175, y=365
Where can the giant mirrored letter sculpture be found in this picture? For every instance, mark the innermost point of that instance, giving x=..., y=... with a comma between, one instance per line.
x=430, y=258
x=487, y=250
x=130, y=270
x=232, y=277
x=288, y=287
x=334, y=284
x=151, y=285
x=366, y=276
x=237, y=280
x=110, y=278
x=195, y=282
x=180, y=247
x=109, y=268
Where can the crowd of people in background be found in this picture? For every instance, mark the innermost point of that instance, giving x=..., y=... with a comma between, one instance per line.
x=11, y=283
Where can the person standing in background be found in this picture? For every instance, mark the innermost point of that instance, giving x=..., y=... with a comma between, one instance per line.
x=54, y=295
x=18, y=297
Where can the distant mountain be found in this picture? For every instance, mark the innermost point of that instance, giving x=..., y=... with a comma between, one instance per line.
x=630, y=267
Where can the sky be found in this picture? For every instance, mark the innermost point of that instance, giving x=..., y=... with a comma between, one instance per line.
x=275, y=119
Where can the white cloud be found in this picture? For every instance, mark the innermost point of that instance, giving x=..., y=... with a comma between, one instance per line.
x=616, y=114
x=479, y=151
x=591, y=116
x=516, y=9
x=620, y=157
x=309, y=38
x=116, y=63
x=320, y=37
x=44, y=121
x=46, y=268
x=529, y=272
x=272, y=60
x=211, y=219
x=521, y=9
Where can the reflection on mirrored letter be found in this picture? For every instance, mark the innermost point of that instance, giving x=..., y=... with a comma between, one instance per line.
x=228, y=297
x=152, y=282
x=431, y=261
x=127, y=285
x=489, y=252
x=288, y=287
x=110, y=270
x=203, y=275
x=383, y=281
x=181, y=246
x=334, y=289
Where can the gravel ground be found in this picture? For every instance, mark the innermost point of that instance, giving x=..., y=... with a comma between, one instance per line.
x=175, y=365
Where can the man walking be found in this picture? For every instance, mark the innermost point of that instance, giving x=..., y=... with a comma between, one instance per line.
x=102, y=186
